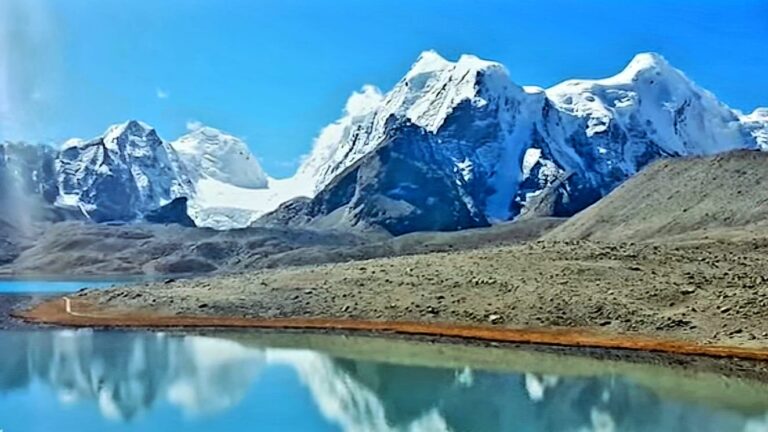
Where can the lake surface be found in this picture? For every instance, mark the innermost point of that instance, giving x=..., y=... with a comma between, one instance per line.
x=32, y=286
x=119, y=381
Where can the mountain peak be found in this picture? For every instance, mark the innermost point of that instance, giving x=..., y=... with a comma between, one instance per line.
x=222, y=157
x=643, y=65
x=429, y=61
x=131, y=128
x=648, y=60
x=469, y=61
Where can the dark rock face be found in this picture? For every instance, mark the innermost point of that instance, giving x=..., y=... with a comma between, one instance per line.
x=549, y=189
x=119, y=181
x=295, y=212
x=120, y=176
x=403, y=186
x=175, y=212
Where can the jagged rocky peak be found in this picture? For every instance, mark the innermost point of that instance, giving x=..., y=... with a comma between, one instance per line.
x=434, y=86
x=210, y=153
x=430, y=93
x=130, y=132
x=120, y=138
x=120, y=175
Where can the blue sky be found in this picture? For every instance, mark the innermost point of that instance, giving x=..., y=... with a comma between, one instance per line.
x=276, y=71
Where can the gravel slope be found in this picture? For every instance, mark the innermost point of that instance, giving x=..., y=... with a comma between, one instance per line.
x=723, y=196
x=715, y=292
x=77, y=249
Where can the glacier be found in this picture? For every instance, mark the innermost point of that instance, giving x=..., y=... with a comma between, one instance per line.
x=229, y=187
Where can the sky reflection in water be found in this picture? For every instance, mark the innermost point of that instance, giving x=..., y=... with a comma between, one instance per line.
x=105, y=381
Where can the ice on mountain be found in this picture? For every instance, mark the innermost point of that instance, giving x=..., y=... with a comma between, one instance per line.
x=210, y=153
x=499, y=142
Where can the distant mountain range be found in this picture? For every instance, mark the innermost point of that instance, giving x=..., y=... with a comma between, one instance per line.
x=453, y=145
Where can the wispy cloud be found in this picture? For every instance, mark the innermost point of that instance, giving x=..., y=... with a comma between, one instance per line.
x=162, y=94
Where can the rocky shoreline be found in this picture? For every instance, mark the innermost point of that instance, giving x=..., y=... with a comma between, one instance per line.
x=9, y=303
x=708, y=294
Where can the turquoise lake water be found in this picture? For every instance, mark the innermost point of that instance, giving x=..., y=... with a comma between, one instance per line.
x=31, y=286
x=88, y=381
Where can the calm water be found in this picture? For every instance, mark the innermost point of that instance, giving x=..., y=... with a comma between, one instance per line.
x=113, y=381
x=30, y=286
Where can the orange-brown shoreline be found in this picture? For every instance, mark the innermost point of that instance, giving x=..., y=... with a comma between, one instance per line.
x=83, y=314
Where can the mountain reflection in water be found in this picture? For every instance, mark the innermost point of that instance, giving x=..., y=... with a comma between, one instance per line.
x=125, y=376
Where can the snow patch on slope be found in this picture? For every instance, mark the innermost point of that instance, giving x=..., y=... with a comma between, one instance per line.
x=222, y=206
x=757, y=124
x=651, y=97
x=231, y=190
x=208, y=152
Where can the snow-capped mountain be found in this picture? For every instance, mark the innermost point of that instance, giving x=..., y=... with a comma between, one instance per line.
x=229, y=187
x=510, y=149
x=606, y=130
x=432, y=92
x=453, y=144
x=120, y=176
x=211, y=153
x=129, y=174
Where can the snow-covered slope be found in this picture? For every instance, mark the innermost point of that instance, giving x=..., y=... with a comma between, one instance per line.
x=210, y=153
x=220, y=205
x=757, y=124
x=427, y=96
x=230, y=189
x=121, y=175
x=649, y=106
x=594, y=134
x=506, y=150
x=518, y=149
